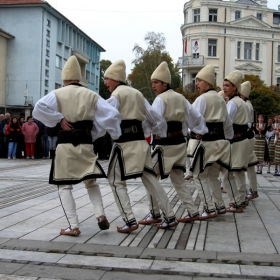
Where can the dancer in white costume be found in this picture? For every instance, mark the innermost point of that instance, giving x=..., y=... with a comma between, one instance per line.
x=80, y=112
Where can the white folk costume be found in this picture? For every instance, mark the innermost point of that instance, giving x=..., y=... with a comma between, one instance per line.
x=75, y=160
x=169, y=155
x=130, y=156
x=213, y=151
x=238, y=112
x=252, y=160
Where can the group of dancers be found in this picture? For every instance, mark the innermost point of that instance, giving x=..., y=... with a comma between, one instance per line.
x=221, y=145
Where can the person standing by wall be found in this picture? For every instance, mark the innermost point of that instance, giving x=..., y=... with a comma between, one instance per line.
x=13, y=132
x=30, y=131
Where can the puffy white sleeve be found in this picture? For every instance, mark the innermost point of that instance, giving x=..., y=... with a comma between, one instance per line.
x=106, y=118
x=154, y=121
x=194, y=116
x=46, y=111
x=228, y=128
x=232, y=109
x=200, y=104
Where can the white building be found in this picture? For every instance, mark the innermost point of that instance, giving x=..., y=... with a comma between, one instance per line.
x=231, y=35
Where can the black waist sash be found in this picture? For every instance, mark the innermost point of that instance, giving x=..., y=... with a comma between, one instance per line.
x=80, y=134
x=131, y=131
x=174, y=134
x=215, y=132
x=240, y=132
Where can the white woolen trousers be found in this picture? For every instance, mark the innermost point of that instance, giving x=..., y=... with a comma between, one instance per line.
x=252, y=178
x=69, y=205
x=207, y=181
x=122, y=198
x=180, y=185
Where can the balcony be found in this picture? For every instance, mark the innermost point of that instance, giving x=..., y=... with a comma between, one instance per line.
x=191, y=62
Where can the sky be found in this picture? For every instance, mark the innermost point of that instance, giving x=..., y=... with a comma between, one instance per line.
x=117, y=25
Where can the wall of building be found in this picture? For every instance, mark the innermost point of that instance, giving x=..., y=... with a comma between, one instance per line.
x=24, y=52
x=3, y=65
x=229, y=31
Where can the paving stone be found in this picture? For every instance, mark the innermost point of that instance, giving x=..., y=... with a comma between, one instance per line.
x=121, y=263
x=29, y=256
x=106, y=249
x=14, y=277
x=137, y=276
x=3, y=240
x=248, y=257
x=60, y=272
x=270, y=272
x=200, y=268
x=182, y=254
x=37, y=245
x=9, y=268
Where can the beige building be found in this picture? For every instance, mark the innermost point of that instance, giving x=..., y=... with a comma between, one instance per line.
x=231, y=35
x=4, y=37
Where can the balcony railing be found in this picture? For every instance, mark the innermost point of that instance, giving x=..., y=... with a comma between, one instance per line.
x=190, y=61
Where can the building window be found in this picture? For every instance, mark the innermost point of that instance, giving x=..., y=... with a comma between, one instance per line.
x=196, y=15
x=46, y=91
x=213, y=15
x=47, y=52
x=257, y=51
x=193, y=78
x=278, y=56
x=48, y=23
x=56, y=86
x=58, y=62
x=237, y=14
x=47, y=43
x=88, y=76
x=259, y=16
x=212, y=47
x=46, y=83
x=48, y=33
x=238, y=50
x=247, y=50
x=46, y=72
x=47, y=63
x=92, y=78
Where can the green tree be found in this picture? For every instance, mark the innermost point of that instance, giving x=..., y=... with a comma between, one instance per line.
x=264, y=99
x=147, y=60
x=103, y=91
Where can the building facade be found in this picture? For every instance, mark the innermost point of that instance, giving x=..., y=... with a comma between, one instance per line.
x=231, y=35
x=43, y=40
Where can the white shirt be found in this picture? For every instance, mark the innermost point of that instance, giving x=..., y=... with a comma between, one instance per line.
x=193, y=119
x=154, y=122
x=106, y=117
x=200, y=104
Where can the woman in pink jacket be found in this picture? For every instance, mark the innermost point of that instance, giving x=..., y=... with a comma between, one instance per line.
x=30, y=131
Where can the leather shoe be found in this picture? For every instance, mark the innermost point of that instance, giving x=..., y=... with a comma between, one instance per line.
x=165, y=224
x=150, y=220
x=206, y=216
x=103, y=222
x=70, y=231
x=234, y=210
x=188, y=219
x=127, y=228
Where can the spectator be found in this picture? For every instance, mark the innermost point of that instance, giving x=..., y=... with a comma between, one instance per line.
x=1, y=140
x=45, y=143
x=39, y=139
x=4, y=123
x=52, y=137
x=1, y=117
x=13, y=132
x=30, y=131
x=20, y=146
